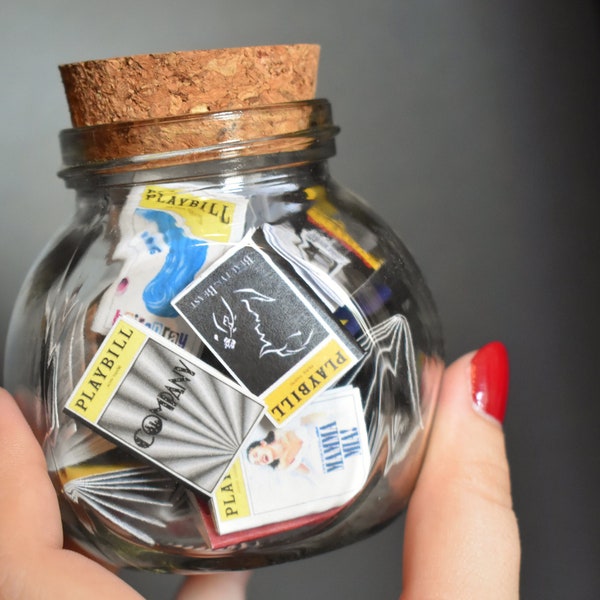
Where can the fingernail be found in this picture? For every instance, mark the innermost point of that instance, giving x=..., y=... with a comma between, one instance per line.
x=489, y=380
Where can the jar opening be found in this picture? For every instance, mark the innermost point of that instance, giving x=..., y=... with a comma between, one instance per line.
x=251, y=132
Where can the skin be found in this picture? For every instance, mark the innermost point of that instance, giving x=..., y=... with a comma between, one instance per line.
x=263, y=454
x=284, y=448
x=461, y=537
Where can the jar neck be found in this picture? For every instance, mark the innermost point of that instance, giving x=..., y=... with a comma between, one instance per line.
x=216, y=144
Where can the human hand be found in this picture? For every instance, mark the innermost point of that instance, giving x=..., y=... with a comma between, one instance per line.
x=461, y=537
x=461, y=534
x=33, y=562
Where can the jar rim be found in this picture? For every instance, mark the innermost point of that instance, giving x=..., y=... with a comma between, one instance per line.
x=146, y=144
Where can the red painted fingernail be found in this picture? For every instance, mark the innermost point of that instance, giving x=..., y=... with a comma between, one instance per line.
x=489, y=380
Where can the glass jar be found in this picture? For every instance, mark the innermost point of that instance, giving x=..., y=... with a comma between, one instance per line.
x=131, y=250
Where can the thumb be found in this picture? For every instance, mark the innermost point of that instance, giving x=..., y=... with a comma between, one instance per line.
x=461, y=535
x=215, y=586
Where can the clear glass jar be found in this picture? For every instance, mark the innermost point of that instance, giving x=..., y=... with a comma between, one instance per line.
x=270, y=165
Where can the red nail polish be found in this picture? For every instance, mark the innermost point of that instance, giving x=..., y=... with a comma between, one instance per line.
x=489, y=379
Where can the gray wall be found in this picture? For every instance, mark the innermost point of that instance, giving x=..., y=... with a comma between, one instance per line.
x=473, y=127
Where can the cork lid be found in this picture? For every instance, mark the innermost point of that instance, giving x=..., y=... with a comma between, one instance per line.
x=150, y=86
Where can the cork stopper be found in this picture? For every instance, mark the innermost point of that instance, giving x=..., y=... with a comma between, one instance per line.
x=150, y=86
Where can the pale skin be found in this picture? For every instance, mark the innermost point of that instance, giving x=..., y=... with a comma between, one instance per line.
x=284, y=448
x=461, y=539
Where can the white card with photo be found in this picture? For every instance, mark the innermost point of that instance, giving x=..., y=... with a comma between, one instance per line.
x=318, y=461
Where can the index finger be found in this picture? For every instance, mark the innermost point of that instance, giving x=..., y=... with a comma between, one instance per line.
x=29, y=513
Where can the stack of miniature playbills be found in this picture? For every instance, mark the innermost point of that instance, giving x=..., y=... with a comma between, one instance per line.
x=224, y=364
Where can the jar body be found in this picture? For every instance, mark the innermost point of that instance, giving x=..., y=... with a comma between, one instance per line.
x=343, y=260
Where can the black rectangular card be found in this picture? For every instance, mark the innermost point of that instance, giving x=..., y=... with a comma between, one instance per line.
x=271, y=335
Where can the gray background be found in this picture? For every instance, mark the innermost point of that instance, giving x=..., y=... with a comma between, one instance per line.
x=473, y=128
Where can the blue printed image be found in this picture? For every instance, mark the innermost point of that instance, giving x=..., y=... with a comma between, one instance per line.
x=185, y=258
